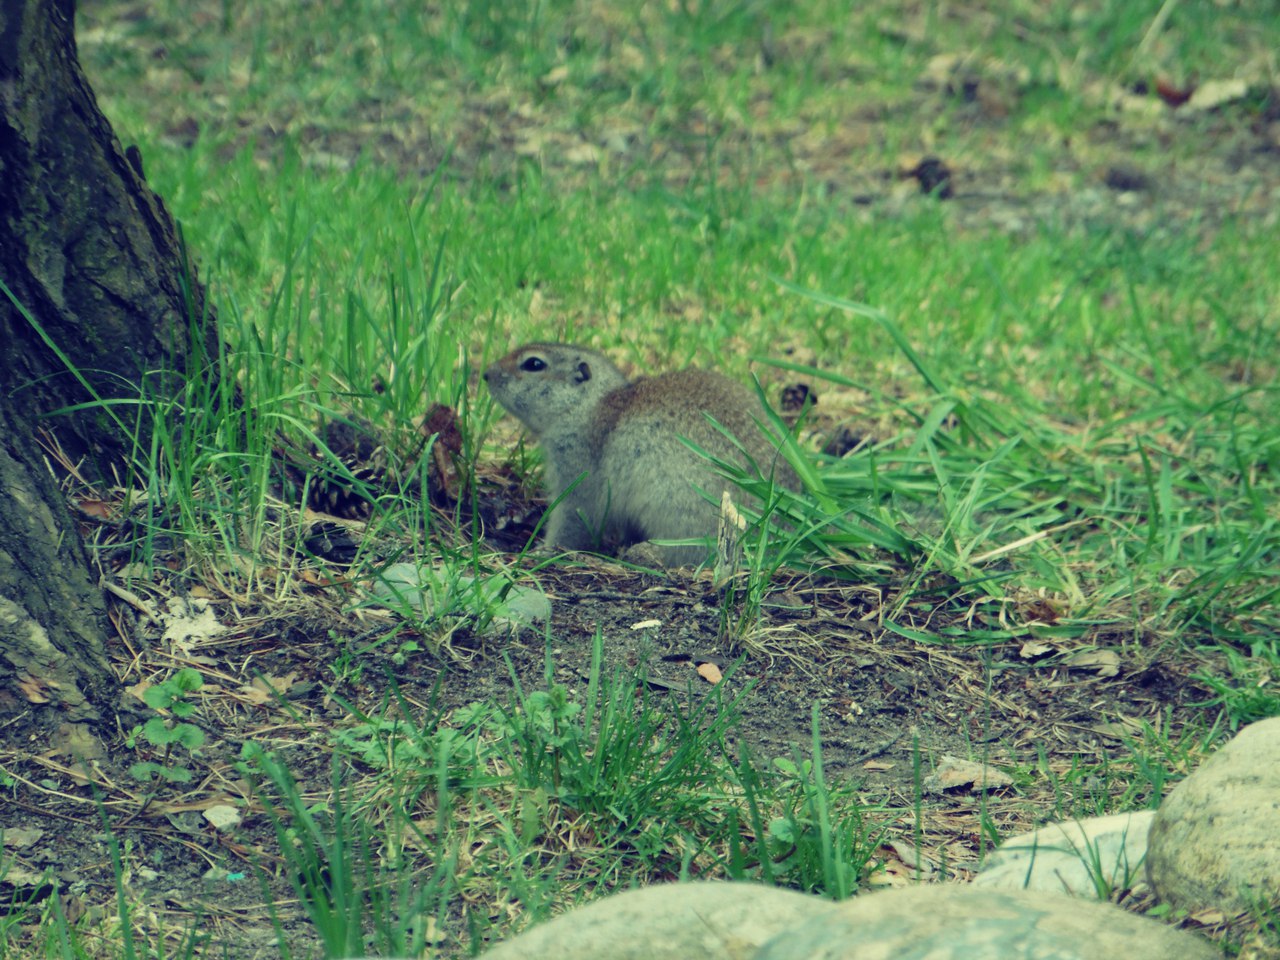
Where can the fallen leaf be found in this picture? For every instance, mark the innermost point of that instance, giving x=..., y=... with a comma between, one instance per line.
x=433, y=933
x=191, y=806
x=92, y=507
x=266, y=690
x=1209, y=917
x=1214, y=93
x=19, y=838
x=912, y=858
x=189, y=620
x=33, y=690
x=710, y=673
x=1106, y=663
x=76, y=740
x=953, y=772
x=528, y=145
x=555, y=76
x=583, y=154
x=1117, y=729
x=19, y=878
x=223, y=817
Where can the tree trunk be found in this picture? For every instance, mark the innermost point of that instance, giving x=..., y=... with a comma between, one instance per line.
x=99, y=304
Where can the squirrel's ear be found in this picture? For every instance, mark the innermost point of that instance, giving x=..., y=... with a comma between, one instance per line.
x=584, y=372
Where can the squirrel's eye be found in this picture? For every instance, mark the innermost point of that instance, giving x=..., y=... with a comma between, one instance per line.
x=533, y=364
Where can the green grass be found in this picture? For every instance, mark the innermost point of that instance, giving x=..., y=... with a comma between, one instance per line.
x=1076, y=409
x=1138, y=371
x=532, y=802
x=1138, y=455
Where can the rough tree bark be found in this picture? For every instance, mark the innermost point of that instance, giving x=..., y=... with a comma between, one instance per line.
x=94, y=260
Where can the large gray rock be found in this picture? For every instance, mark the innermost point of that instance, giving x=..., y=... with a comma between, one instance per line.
x=1215, y=841
x=675, y=921
x=955, y=922
x=1083, y=858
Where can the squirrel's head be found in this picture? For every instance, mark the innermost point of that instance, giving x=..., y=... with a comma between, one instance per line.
x=550, y=385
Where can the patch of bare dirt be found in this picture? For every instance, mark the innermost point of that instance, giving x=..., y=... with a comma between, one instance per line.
x=889, y=709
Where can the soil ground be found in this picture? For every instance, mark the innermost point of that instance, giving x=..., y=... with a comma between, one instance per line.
x=890, y=710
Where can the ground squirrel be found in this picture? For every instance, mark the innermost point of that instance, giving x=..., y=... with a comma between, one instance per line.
x=640, y=480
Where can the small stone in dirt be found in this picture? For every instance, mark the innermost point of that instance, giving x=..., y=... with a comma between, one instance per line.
x=1126, y=179
x=1215, y=841
x=797, y=396
x=843, y=441
x=934, y=177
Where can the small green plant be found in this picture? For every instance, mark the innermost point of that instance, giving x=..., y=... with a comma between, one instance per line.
x=820, y=841
x=643, y=770
x=351, y=875
x=547, y=722
x=385, y=744
x=1266, y=914
x=448, y=593
x=17, y=911
x=744, y=569
x=1251, y=691
x=168, y=732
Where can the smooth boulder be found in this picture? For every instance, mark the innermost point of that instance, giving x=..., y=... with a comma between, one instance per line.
x=1082, y=858
x=673, y=921
x=1215, y=841
x=960, y=922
